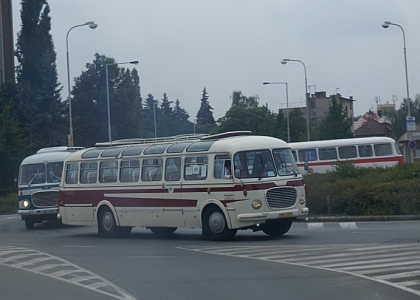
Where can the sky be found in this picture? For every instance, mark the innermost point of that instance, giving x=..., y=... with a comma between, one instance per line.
x=184, y=46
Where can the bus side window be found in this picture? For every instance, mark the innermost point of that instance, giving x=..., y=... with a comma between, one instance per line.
x=71, y=173
x=88, y=172
x=108, y=171
x=365, y=151
x=152, y=169
x=129, y=170
x=222, y=167
x=382, y=149
x=173, y=169
x=195, y=168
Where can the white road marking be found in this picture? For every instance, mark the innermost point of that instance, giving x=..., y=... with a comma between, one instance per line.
x=315, y=225
x=60, y=269
x=395, y=265
x=348, y=225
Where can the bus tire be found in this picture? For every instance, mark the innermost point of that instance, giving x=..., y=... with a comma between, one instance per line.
x=106, y=224
x=29, y=223
x=277, y=228
x=215, y=226
x=163, y=230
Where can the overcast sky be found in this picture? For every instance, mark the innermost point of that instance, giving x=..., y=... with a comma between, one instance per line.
x=225, y=45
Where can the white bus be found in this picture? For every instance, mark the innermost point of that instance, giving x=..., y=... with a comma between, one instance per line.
x=39, y=177
x=219, y=183
x=322, y=156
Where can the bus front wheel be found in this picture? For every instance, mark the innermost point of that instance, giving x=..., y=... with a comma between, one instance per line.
x=277, y=228
x=29, y=223
x=215, y=226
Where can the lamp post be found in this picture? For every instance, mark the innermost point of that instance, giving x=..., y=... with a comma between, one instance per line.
x=91, y=25
x=284, y=61
x=135, y=62
x=386, y=25
x=287, y=106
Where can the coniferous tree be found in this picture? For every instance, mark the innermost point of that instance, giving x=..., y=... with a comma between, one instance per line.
x=37, y=76
x=336, y=124
x=204, y=119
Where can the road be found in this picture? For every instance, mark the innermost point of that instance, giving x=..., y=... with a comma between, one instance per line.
x=348, y=260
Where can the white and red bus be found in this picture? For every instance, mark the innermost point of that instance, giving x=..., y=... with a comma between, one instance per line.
x=39, y=177
x=322, y=156
x=220, y=183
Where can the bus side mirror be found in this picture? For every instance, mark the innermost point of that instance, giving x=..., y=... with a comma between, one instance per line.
x=237, y=173
x=306, y=166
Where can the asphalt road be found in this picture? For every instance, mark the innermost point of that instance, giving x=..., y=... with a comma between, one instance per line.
x=335, y=260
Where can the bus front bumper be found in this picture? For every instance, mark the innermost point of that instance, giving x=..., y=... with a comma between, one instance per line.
x=301, y=213
x=38, y=211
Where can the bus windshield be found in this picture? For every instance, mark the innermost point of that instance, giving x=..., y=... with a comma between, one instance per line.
x=255, y=164
x=285, y=162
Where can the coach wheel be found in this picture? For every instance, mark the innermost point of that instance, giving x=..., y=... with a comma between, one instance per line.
x=29, y=223
x=277, y=228
x=107, y=225
x=163, y=230
x=215, y=225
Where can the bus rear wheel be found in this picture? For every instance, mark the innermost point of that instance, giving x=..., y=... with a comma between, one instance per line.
x=106, y=223
x=277, y=228
x=215, y=226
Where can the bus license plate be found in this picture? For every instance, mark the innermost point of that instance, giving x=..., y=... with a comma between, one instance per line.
x=286, y=214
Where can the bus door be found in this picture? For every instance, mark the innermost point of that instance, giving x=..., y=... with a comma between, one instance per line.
x=172, y=193
x=152, y=203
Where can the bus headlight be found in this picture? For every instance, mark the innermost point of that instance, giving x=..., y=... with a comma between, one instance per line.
x=256, y=204
x=26, y=203
x=302, y=200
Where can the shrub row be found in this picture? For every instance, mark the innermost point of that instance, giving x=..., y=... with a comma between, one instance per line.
x=352, y=191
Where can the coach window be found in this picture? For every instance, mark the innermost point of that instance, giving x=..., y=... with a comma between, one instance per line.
x=382, y=149
x=54, y=171
x=152, y=169
x=93, y=153
x=327, y=153
x=108, y=171
x=112, y=152
x=177, y=148
x=132, y=151
x=130, y=170
x=88, y=172
x=155, y=149
x=196, y=168
x=173, y=169
x=72, y=173
x=365, y=151
x=347, y=152
x=307, y=155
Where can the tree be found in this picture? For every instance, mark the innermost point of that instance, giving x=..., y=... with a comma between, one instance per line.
x=37, y=76
x=150, y=111
x=12, y=144
x=336, y=124
x=90, y=104
x=243, y=116
x=297, y=125
x=204, y=118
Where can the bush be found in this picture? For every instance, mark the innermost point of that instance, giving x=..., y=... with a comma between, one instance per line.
x=8, y=203
x=351, y=190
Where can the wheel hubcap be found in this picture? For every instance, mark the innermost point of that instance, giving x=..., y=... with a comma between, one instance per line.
x=107, y=221
x=217, y=222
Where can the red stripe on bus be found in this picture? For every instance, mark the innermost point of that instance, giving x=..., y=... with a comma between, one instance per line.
x=398, y=159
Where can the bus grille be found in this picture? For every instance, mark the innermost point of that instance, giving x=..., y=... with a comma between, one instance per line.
x=281, y=197
x=45, y=199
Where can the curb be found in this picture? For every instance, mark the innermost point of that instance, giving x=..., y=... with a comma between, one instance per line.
x=363, y=218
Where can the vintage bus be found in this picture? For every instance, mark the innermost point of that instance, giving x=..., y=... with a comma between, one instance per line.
x=220, y=183
x=322, y=156
x=39, y=177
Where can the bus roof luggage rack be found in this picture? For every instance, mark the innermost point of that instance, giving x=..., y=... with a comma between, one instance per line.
x=59, y=148
x=226, y=135
x=176, y=138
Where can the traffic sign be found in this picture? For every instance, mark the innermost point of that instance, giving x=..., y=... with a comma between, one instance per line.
x=412, y=145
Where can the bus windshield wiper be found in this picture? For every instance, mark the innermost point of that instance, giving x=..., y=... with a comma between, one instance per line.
x=33, y=178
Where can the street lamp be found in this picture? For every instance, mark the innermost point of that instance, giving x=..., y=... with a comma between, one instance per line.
x=287, y=106
x=284, y=61
x=91, y=25
x=134, y=62
x=386, y=25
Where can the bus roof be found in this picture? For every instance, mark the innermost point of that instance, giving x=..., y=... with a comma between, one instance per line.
x=226, y=142
x=341, y=142
x=51, y=154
